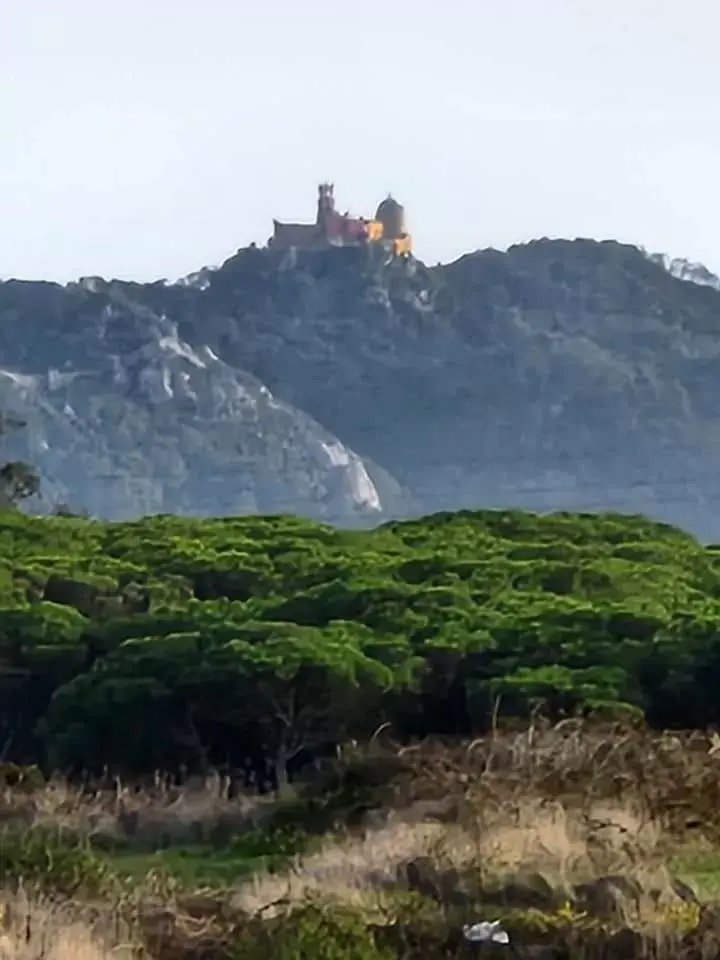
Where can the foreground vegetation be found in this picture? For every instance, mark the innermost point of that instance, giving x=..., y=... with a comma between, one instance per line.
x=582, y=841
x=373, y=738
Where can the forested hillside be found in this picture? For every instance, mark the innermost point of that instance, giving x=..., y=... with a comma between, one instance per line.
x=176, y=641
x=352, y=389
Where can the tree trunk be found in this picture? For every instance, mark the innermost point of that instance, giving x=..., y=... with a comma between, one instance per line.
x=281, y=772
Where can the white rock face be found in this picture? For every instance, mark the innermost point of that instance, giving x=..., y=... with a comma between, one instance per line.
x=360, y=488
x=686, y=270
x=170, y=427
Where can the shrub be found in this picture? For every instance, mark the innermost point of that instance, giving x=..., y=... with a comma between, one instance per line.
x=52, y=861
x=311, y=931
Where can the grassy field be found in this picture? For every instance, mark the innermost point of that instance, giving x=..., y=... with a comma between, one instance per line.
x=216, y=865
x=573, y=837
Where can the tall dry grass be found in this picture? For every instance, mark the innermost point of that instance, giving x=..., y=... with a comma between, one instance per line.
x=152, y=817
x=44, y=929
x=570, y=802
x=560, y=844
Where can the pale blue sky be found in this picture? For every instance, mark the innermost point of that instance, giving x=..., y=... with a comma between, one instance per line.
x=146, y=138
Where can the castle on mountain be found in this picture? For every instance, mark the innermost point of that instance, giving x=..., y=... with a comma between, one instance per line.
x=333, y=229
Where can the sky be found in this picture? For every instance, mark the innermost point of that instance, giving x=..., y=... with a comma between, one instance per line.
x=148, y=138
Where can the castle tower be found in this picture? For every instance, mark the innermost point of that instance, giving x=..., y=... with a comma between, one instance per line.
x=391, y=215
x=326, y=203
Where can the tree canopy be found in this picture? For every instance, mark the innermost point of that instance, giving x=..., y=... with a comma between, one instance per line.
x=178, y=641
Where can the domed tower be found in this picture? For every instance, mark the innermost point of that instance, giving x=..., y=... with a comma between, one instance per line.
x=391, y=215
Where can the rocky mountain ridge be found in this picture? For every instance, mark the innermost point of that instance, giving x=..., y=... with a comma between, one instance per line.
x=687, y=270
x=350, y=387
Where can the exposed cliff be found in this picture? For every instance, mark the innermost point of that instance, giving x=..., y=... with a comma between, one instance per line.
x=341, y=385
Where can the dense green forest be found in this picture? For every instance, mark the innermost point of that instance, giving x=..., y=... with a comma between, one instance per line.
x=181, y=643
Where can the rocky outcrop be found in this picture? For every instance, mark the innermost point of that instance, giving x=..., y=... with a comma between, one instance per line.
x=151, y=424
x=687, y=270
x=350, y=387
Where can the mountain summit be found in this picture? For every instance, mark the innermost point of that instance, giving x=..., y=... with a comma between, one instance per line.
x=352, y=385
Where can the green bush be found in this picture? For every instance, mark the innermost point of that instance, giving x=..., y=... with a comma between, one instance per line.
x=53, y=862
x=312, y=931
x=24, y=778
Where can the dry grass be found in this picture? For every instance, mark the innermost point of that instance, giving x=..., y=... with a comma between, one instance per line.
x=35, y=929
x=344, y=868
x=563, y=845
x=152, y=817
x=568, y=802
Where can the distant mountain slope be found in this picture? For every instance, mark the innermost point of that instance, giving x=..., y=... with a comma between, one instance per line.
x=135, y=420
x=560, y=374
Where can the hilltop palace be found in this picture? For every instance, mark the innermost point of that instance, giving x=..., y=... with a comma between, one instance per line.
x=333, y=229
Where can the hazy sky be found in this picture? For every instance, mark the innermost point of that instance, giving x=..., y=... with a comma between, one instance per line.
x=146, y=138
